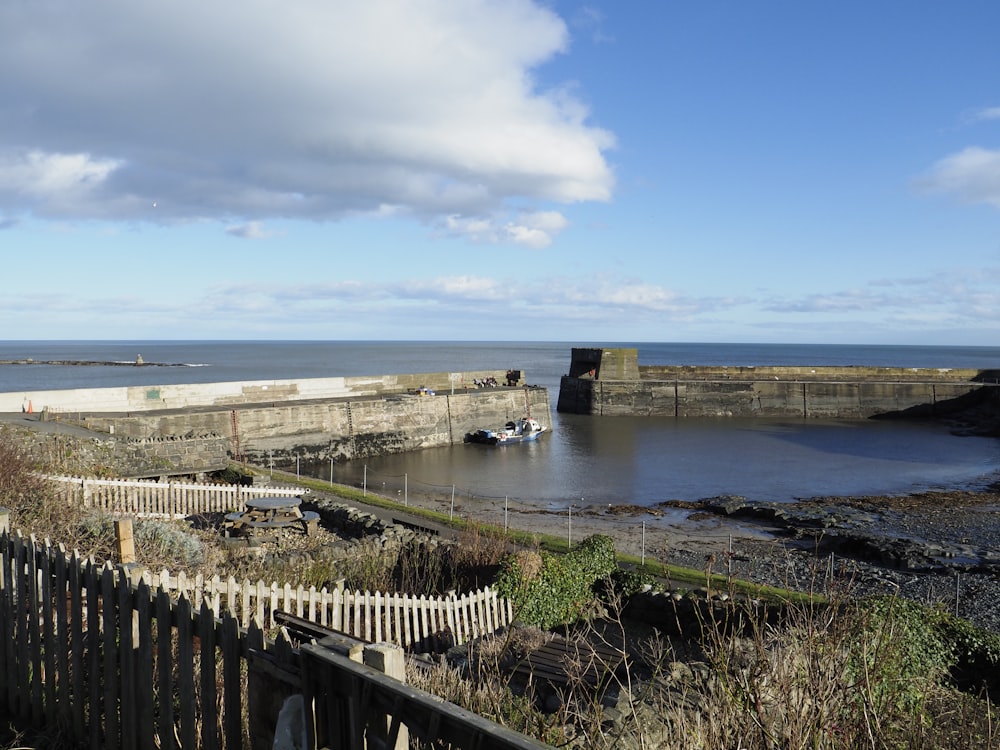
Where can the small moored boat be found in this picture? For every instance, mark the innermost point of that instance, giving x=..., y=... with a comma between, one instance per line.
x=522, y=431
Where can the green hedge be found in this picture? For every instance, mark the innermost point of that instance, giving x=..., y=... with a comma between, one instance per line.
x=549, y=589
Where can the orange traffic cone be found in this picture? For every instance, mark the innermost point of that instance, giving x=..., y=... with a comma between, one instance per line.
x=31, y=409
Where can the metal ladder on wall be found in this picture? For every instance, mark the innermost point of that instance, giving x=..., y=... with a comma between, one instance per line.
x=237, y=450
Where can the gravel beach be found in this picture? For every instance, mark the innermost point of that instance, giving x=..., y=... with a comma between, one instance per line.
x=772, y=554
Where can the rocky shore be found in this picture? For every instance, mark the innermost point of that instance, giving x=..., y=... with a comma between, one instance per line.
x=938, y=548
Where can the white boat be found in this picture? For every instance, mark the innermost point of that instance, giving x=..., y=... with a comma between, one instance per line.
x=523, y=430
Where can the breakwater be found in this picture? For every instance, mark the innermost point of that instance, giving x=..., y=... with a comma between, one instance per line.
x=304, y=423
x=313, y=432
x=610, y=382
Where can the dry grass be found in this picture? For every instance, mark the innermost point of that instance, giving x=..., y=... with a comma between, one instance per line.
x=829, y=676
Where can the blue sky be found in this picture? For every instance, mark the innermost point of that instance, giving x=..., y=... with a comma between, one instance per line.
x=733, y=171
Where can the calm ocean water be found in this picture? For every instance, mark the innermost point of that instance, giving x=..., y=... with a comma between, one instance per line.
x=585, y=460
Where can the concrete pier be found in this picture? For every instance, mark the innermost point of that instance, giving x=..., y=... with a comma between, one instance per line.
x=305, y=420
x=610, y=382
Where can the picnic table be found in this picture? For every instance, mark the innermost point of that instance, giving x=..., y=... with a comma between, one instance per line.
x=272, y=513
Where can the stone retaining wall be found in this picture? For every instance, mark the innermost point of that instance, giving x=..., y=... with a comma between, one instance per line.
x=135, y=458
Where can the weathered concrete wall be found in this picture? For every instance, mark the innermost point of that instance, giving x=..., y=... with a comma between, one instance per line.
x=185, y=396
x=607, y=364
x=338, y=429
x=752, y=398
x=610, y=382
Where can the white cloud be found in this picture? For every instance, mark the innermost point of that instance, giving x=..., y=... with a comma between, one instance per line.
x=480, y=307
x=973, y=173
x=314, y=110
x=51, y=175
x=989, y=113
x=535, y=229
x=252, y=230
x=476, y=288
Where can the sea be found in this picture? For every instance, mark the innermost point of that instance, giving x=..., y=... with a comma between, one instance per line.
x=584, y=460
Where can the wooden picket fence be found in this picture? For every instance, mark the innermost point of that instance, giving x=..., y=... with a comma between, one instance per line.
x=116, y=663
x=414, y=622
x=112, y=664
x=417, y=623
x=163, y=499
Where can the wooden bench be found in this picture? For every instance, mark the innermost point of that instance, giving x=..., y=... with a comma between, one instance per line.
x=561, y=661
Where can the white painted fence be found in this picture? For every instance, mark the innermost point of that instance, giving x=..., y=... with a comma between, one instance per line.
x=413, y=622
x=417, y=623
x=163, y=499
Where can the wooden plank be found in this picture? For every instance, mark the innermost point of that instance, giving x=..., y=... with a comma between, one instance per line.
x=209, y=710
x=366, y=615
x=145, y=735
x=94, y=695
x=343, y=683
x=77, y=696
x=185, y=668
x=561, y=661
x=61, y=605
x=48, y=640
x=407, y=632
x=35, y=636
x=232, y=700
x=165, y=669
x=110, y=650
x=8, y=681
x=129, y=721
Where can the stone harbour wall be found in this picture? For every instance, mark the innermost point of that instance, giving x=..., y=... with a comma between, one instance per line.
x=130, y=399
x=611, y=383
x=729, y=398
x=318, y=431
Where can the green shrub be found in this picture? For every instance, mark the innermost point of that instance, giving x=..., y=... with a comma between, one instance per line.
x=623, y=584
x=931, y=642
x=549, y=589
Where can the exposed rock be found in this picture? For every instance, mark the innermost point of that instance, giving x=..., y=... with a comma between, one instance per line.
x=933, y=531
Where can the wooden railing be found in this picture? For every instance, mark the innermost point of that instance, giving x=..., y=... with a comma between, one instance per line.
x=116, y=664
x=163, y=499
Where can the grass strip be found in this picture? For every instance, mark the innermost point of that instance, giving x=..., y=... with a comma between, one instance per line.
x=530, y=539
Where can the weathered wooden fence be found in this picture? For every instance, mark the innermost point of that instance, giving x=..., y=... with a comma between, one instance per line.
x=163, y=499
x=417, y=623
x=117, y=664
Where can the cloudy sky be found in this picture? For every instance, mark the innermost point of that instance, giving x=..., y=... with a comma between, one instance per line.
x=657, y=170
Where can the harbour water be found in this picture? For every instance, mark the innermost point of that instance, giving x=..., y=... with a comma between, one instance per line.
x=585, y=460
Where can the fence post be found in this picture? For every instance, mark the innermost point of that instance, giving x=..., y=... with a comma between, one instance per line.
x=126, y=542
x=389, y=659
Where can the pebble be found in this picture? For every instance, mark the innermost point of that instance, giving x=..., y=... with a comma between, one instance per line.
x=972, y=596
